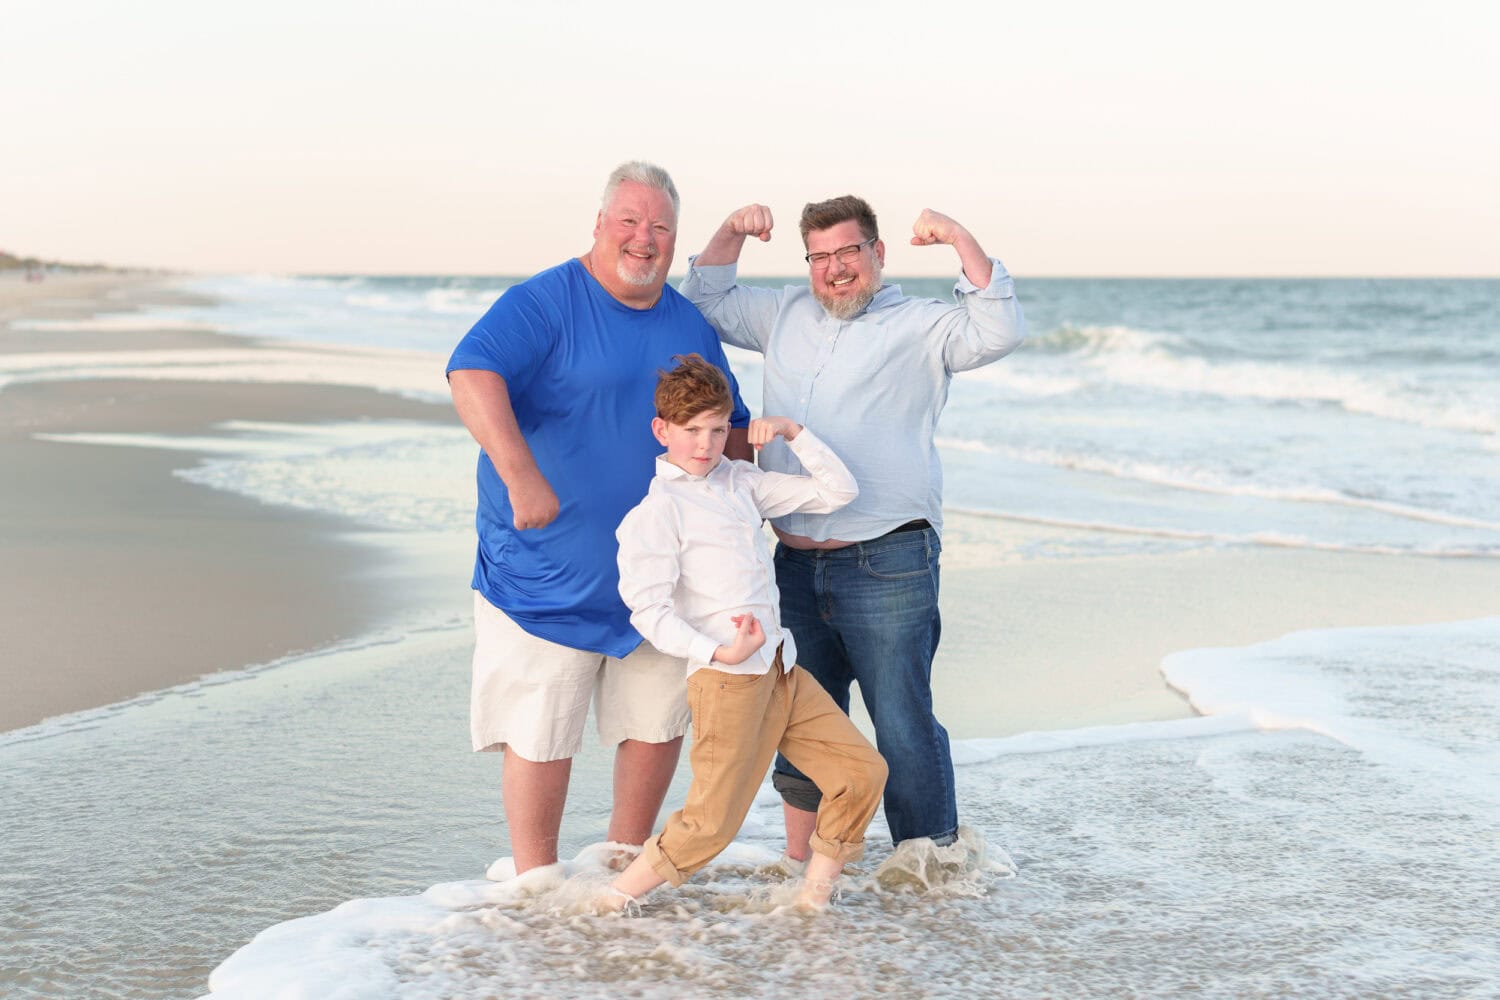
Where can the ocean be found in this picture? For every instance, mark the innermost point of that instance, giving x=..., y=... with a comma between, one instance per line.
x=1327, y=826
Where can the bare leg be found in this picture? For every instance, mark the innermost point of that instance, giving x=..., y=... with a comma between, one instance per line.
x=642, y=773
x=534, y=793
x=799, y=830
x=817, y=885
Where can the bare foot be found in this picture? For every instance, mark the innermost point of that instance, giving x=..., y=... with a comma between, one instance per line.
x=817, y=885
x=612, y=900
x=815, y=894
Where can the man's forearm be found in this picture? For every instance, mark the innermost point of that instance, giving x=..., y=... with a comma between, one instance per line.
x=975, y=262
x=723, y=248
x=483, y=404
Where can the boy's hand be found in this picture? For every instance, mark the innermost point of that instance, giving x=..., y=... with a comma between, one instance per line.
x=748, y=637
x=766, y=429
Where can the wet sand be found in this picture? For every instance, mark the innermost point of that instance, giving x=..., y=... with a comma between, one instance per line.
x=117, y=578
x=1065, y=642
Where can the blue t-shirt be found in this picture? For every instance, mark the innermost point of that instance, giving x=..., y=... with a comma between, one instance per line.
x=580, y=368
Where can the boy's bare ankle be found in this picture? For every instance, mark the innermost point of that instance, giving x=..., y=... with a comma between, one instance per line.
x=815, y=894
x=818, y=883
x=612, y=900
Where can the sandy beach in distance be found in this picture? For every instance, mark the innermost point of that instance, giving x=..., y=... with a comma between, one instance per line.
x=117, y=578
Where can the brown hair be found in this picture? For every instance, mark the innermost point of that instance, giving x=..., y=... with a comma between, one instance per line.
x=826, y=214
x=691, y=388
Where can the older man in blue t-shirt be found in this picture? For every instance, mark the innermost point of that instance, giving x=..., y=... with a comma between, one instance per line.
x=555, y=382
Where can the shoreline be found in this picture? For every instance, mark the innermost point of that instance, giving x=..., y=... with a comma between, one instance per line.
x=118, y=578
x=1068, y=643
x=123, y=579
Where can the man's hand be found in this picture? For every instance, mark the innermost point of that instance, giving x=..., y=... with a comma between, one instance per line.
x=531, y=500
x=763, y=430
x=935, y=227
x=932, y=228
x=752, y=220
x=728, y=240
x=748, y=637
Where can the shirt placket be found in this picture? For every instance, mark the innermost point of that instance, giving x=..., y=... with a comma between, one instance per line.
x=829, y=332
x=748, y=521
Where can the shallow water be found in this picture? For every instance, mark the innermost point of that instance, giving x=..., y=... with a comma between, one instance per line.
x=1329, y=831
x=1198, y=857
x=1330, y=414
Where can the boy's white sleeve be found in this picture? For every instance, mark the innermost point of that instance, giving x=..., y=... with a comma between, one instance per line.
x=828, y=485
x=650, y=546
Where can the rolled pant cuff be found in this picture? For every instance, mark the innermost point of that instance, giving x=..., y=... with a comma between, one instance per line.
x=797, y=792
x=661, y=864
x=840, y=851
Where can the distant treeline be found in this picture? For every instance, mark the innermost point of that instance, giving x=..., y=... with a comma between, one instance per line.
x=10, y=262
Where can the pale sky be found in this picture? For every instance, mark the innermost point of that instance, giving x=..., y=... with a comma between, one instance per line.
x=1072, y=138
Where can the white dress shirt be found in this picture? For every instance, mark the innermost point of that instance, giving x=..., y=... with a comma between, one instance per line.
x=874, y=385
x=693, y=554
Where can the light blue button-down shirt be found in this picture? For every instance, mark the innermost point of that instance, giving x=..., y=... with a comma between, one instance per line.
x=872, y=387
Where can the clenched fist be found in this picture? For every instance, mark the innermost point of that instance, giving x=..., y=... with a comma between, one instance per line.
x=935, y=227
x=752, y=220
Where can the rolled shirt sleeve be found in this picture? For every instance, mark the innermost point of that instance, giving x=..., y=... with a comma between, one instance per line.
x=990, y=326
x=742, y=315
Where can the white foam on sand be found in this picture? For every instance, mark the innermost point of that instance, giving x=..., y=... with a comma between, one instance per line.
x=1326, y=829
x=416, y=374
x=397, y=474
x=1361, y=690
x=1223, y=856
x=111, y=323
x=539, y=934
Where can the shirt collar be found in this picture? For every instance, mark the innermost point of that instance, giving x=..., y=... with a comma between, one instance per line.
x=667, y=470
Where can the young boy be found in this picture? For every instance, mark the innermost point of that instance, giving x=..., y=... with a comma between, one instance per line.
x=696, y=573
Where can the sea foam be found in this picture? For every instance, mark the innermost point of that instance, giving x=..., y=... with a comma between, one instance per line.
x=1324, y=831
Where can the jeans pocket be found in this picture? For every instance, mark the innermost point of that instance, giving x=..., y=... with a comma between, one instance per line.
x=898, y=562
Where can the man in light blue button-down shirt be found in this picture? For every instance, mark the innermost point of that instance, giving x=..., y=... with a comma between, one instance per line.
x=870, y=368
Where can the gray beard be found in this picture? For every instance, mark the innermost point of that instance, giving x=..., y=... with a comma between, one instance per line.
x=638, y=280
x=847, y=309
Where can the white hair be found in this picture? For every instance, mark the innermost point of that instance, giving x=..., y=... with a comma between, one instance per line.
x=641, y=172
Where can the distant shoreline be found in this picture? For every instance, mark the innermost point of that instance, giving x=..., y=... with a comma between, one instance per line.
x=119, y=578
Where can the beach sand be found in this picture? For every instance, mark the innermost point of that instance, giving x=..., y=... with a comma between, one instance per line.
x=117, y=578
x=141, y=861
x=1063, y=643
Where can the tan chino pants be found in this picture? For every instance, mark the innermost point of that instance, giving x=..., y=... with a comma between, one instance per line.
x=739, y=723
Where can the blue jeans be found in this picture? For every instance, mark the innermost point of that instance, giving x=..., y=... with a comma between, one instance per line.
x=868, y=613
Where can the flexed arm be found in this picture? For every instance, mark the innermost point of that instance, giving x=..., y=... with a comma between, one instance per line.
x=827, y=486
x=483, y=404
x=742, y=315
x=934, y=227
x=988, y=324
x=725, y=244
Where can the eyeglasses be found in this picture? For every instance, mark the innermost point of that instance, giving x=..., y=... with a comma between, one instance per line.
x=847, y=255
